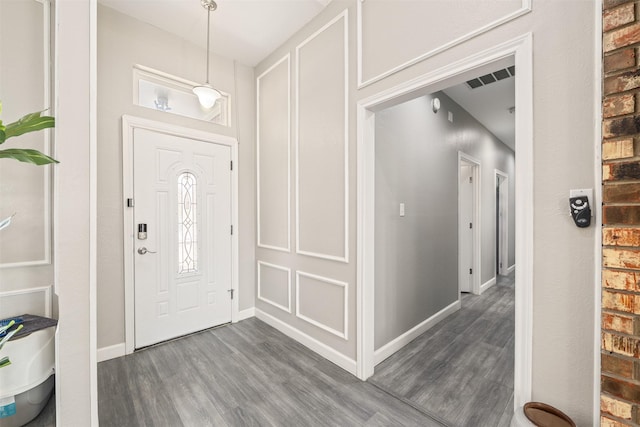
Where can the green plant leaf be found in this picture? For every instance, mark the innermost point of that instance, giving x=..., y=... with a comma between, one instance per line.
x=29, y=123
x=27, y=155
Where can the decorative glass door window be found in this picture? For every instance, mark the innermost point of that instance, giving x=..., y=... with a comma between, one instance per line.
x=187, y=224
x=170, y=94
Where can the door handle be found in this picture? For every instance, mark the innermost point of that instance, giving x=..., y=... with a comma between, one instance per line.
x=144, y=250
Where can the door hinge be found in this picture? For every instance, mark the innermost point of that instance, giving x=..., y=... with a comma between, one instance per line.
x=232, y=230
x=500, y=265
x=470, y=179
x=130, y=203
x=470, y=225
x=231, y=291
x=231, y=164
x=471, y=271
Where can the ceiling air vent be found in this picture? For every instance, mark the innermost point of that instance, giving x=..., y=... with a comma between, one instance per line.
x=492, y=77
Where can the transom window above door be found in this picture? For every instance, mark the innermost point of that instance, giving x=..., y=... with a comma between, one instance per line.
x=163, y=92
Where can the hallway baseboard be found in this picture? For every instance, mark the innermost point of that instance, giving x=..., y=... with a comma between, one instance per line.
x=110, y=352
x=246, y=313
x=311, y=343
x=486, y=285
x=393, y=346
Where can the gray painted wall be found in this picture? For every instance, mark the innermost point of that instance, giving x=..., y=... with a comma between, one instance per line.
x=122, y=43
x=416, y=263
x=563, y=259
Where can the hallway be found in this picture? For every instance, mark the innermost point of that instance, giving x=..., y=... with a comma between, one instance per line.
x=460, y=371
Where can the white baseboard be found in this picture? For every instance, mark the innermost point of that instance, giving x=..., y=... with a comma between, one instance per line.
x=246, y=314
x=486, y=285
x=111, y=352
x=510, y=269
x=313, y=344
x=393, y=346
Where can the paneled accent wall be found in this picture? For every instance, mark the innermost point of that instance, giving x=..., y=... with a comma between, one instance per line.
x=382, y=53
x=322, y=161
x=273, y=151
x=303, y=222
x=274, y=285
x=310, y=289
x=620, y=357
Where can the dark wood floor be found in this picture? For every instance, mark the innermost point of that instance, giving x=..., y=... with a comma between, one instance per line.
x=461, y=371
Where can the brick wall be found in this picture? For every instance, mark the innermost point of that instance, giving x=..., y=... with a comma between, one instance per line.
x=620, y=367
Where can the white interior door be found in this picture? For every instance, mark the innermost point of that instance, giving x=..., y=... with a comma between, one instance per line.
x=465, y=227
x=182, y=192
x=502, y=223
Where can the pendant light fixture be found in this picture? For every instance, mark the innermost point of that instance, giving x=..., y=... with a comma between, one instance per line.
x=207, y=95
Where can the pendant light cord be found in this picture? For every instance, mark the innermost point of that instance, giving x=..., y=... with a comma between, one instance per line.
x=208, y=30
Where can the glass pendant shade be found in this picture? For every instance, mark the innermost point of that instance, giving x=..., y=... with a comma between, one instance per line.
x=207, y=95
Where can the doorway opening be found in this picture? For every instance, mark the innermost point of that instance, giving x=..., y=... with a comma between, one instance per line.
x=516, y=53
x=469, y=180
x=502, y=224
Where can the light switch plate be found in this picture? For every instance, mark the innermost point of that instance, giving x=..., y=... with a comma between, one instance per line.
x=401, y=209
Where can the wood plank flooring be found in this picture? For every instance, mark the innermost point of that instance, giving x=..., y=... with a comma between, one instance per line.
x=460, y=371
x=245, y=374
x=248, y=374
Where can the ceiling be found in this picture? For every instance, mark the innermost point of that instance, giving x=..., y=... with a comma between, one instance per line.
x=490, y=105
x=244, y=30
x=249, y=30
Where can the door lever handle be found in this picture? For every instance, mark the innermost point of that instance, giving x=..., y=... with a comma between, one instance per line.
x=144, y=250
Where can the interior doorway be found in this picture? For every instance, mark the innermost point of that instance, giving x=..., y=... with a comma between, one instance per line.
x=468, y=223
x=502, y=223
x=516, y=53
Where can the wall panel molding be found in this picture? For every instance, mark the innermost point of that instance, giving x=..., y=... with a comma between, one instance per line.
x=343, y=333
x=363, y=81
x=259, y=166
x=261, y=265
x=46, y=135
x=303, y=247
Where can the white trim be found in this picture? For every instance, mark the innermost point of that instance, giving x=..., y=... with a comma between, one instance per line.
x=520, y=49
x=345, y=289
x=247, y=313
x=286, y=308
x=93, y=209
x=504, y=230
x=287, y=249
x=524, y=9
x=46, y=295
x=597, y=211
x=486, y=285
x=511, y=269
x=313, y=344
x=129, y=123
x=111, y=352
x=47, y=138
x=393, y=346
x=477, y=212
x=345, y=258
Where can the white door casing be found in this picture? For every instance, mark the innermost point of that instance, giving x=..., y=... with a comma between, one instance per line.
x=465, y=227
x=182, y=192
x=519, y=52
x=161, y=302
x=502, y=182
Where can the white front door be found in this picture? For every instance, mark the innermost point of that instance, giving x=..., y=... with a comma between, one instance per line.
x=182, y=193
x=465, y=227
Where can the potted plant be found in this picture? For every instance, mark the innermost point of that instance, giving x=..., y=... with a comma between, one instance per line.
x=30, y=123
